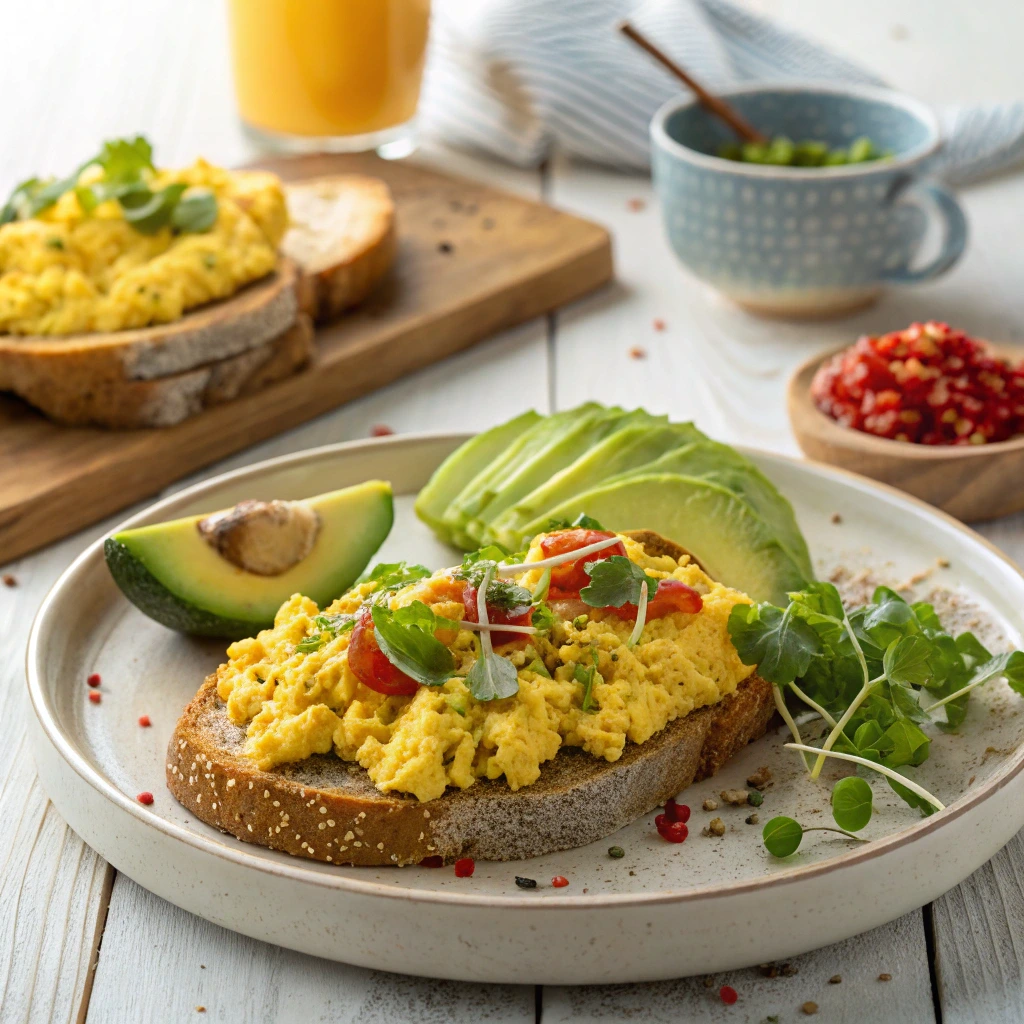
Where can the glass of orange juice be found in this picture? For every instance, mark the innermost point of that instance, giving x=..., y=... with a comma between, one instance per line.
x=340, y=75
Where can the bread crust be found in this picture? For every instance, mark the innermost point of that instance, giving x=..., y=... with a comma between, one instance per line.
x=351, y=225
x=129, y=404
x=256, y=314
x=327, y=809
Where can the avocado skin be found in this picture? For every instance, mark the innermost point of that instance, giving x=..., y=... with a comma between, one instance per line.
x=152, y=598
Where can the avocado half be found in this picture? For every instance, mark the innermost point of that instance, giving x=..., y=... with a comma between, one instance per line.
x=172, y=574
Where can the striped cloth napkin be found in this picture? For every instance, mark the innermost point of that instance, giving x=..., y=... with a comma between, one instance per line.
x=515, y=78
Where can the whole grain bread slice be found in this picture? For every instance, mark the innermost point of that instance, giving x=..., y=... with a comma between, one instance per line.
x=342, y=234
x=327, y=809
x=258, y=313
x=130, y=404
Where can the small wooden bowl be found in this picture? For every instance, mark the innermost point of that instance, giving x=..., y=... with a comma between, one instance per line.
x=971, y=482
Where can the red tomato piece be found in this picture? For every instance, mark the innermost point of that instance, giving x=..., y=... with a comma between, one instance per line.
x=677, y=812
x=464, y=867
x=569, y=578
x=518, y=615
x=671, y=596
x=370, y=665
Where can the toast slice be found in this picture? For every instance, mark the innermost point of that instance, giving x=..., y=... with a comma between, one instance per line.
x=342, y=234
x=256, y=314
x=130, y=404
x=327, y=809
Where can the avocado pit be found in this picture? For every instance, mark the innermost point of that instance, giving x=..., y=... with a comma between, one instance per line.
x=262, y=537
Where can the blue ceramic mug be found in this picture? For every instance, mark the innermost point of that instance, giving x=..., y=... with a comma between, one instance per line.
x=797, y=241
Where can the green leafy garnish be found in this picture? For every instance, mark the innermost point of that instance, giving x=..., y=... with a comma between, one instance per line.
x=392, y=576
x=615, y=581
x=501, y=593
x=543, y=618
x=582, y=521
x=493, y=677
x=851, y=803
x=406, y=638
x=876, y=674
x=586, y=675
x=126, y=165
x=782, y=836
x=539, y=667
x=328, y=627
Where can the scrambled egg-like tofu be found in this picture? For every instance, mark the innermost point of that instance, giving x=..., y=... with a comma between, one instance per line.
x=299, y=704
x=68, y=272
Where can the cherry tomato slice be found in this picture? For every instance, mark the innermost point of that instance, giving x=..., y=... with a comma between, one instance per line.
x=518, y=615
x=370, y=665
x=671, y=596
x=569, y=578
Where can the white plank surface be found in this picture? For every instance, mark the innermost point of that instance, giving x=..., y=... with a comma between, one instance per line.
x=81, y=74
x=859, y=998
x=180, y=962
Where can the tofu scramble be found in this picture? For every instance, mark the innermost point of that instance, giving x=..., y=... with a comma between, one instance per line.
x=296, y=703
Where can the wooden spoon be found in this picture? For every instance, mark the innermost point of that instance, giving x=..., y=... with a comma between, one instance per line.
x=715, y=104
x=972, y=482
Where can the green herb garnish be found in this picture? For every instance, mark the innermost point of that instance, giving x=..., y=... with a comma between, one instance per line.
x=874, y=674
x=586, y=676
x=851, y=803
x=501, y=593
x=582, y=522
x=782, y=836
x=616, y=581
x=328, y=627
x=392, y=576
x=406, y=638
x=493, y=678
x=125, y=164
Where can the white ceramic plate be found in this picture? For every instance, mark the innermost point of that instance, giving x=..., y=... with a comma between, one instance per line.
x=662, y=911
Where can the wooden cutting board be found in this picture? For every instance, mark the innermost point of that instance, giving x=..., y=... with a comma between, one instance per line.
x=472, y=260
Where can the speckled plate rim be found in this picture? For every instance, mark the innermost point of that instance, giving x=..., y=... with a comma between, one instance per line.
x=296, y=871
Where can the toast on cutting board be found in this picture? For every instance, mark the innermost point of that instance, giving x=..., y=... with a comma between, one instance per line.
x=328, y=809
x=340, y=243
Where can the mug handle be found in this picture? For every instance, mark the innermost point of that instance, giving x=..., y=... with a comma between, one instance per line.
x=954, y=236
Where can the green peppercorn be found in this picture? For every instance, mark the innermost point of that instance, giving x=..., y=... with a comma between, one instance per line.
x=755, y=798
x=580, y=621
x=616, y=852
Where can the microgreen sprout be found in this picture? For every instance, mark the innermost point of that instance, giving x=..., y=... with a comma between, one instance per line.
x=782, y=836
x=865, y=672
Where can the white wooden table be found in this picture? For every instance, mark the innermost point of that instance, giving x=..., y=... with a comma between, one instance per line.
x=79, y=942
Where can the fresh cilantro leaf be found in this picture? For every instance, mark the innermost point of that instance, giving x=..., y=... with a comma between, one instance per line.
x=819, y=599
x=889, y=617
x=582, y=522
x=906, y=661
x=406, y=638
x=866, y=739
x=493, y=677
x=501, y=593
x=196, y=212
x=543, y=618
x=906, y=704
x=616, y=581
x=781, y=644
x=149, y=212
x=904, y=743
x=926, y=616
x=972, y=650
x=491, y=553
x=391, y=576
x=124, y=160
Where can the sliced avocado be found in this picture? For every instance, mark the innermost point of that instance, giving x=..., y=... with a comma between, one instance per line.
x=562, y=449
x=463, y=465
x=724, y=534
x=723, y=465
x=472, y=499
x=175, y=575
x=624, y=451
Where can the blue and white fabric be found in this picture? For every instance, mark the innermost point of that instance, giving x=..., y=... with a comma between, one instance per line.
x=517, y=78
